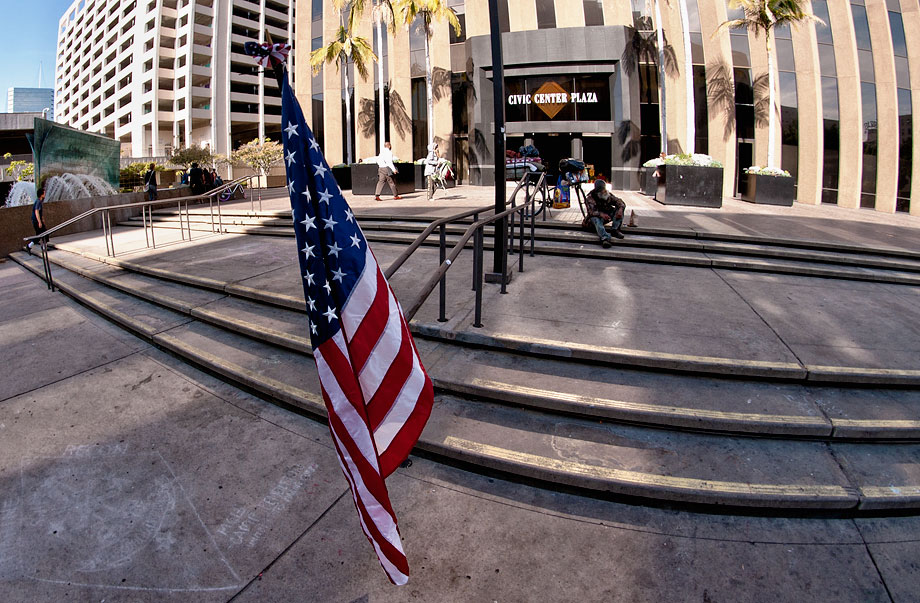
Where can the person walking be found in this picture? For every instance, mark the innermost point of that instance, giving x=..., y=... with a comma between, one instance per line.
x=385, y=171
x=431, y=166
x=38, y=222
x=196, y=179
x=150, y=182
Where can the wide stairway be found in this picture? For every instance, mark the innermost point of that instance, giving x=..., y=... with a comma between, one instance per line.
x=669, y=417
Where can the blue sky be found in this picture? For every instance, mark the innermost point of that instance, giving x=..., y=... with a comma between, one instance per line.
x=28, y=36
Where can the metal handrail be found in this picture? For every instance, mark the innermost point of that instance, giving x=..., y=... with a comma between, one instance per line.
x=146, y=210
x=447, y=259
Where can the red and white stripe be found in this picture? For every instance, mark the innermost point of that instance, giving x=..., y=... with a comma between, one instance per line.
x=379, y=398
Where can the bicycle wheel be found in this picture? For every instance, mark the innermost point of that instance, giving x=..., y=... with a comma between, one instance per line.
x=539, y=202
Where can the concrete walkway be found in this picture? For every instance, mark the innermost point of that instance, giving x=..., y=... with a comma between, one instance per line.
x=125, y=475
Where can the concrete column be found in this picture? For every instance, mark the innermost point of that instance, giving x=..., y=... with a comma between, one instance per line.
x=849, y=185
x=717, y=51
x=617, y=12
x=811, y=113
x=911, y=15
x=522, y=15
x=477, y=18
x=886, y=94
x=364, y=116
x=303, y=71
x=569, y=14
x=334, y=147
x=400, y=114
x=441, y=89
x=676, y=96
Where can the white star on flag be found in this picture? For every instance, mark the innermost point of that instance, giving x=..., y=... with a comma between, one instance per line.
x=291, y=187
x=312, y=303
x=325, y=196
x=309, y=278
x=314, y=145
x=309, y=222
x=306, y=194
x=291, y=130
x=330, y=223
x=321, y=170
x=338, y=275
x=313, y=328
x=335, y=249
x=330, y=314
x=355, y=241
x=327, y=286
x=289, y=159
x=349, y=217
x=308, y=251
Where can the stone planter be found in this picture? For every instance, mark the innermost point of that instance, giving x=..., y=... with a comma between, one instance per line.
x=364, y=179
x=342, y=175
x=769, y=190
x=651, y=182
x=690, y=185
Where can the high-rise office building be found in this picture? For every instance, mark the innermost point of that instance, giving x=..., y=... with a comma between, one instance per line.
x=30, y=100
x=581, y=80
x=162, y=74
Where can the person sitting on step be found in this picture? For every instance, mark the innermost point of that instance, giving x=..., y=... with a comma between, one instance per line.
x=602, y=207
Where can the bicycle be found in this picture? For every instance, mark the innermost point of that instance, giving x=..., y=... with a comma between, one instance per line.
x=228, y=194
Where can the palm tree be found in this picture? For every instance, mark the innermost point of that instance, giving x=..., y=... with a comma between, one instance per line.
x=382, y=13
x=344, y=48
x=764, y=16
x=429, y=11
x=662, y=107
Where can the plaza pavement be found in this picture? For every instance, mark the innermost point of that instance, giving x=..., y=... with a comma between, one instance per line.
x=126, y=475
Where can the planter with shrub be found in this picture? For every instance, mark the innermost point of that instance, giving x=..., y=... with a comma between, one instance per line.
x=769, y=186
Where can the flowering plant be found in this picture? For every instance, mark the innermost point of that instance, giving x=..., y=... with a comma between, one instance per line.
x=697, y=159
x=767, y=171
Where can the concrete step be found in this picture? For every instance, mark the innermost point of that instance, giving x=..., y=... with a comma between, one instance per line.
x=589, y=390
x=282, y=289
x=618, y=460
x=651, y=249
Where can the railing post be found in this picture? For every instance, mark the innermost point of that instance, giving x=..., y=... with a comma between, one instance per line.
x=46, y=264
x=105, y=234
x=533, y=218
x=181, y=231
x=108, y=218
x=504, y=258
x=144, y=220
x=442, y=302
x=521, y=245
x=475, y=257
x=211, y=209
x=477, y=276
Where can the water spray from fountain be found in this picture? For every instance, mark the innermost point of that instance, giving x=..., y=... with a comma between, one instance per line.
x=61, y=188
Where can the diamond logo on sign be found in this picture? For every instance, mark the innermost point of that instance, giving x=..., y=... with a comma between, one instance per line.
x=551, y=98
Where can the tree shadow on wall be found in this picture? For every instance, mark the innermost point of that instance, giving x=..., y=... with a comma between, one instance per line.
x=367, y=118
x=762, y=100
x=642, y=47
x=399, y=116
x=720, y=93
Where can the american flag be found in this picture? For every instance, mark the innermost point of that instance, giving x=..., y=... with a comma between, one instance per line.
x=376, y=390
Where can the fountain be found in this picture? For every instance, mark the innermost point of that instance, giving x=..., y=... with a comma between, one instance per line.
x=61, y=188
x=22, y=193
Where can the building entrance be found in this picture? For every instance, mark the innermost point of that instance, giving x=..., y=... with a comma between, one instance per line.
x=593, y=150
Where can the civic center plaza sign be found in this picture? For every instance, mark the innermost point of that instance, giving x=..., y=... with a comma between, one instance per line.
x=578, y=98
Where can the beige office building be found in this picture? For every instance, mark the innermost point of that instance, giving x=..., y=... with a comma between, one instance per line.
x=846, y=91
x=160, y=74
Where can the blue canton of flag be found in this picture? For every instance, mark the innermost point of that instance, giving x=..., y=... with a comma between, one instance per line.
x=377, y=393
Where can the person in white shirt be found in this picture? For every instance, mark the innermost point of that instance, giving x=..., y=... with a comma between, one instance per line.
x=385, y=171
x=431, y=165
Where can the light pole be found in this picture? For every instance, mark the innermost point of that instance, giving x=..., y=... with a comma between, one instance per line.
x=498, y=94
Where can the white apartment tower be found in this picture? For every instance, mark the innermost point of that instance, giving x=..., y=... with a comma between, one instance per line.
x=160, y=74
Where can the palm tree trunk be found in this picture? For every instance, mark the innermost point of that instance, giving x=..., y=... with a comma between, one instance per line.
x=663, y=112
x=347, y=114
x=428, y=83
x=771, y=143
x=688, y=77
x=381, y=138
